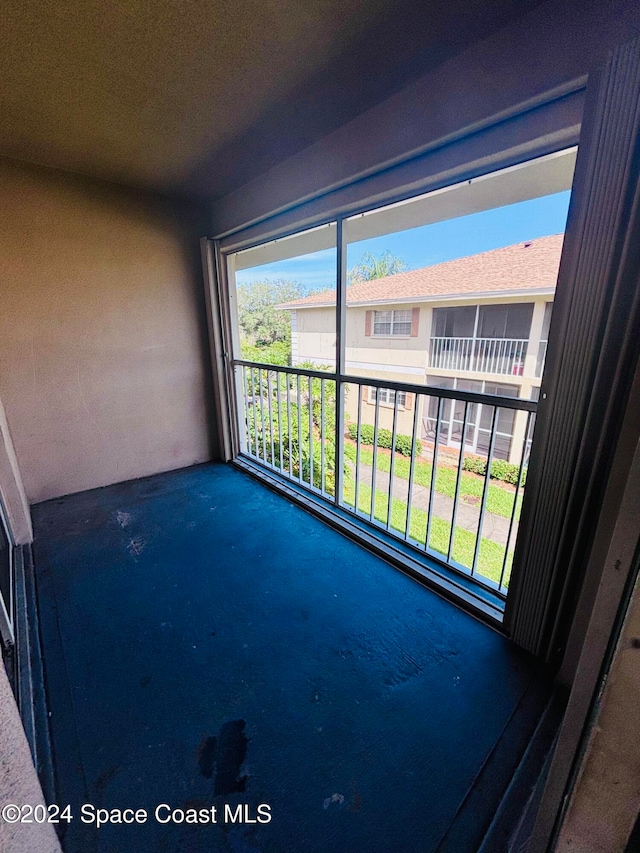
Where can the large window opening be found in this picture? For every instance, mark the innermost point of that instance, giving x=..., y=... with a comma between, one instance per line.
x=390, y=362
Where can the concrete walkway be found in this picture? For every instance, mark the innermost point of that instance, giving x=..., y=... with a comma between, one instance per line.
x=494, y=527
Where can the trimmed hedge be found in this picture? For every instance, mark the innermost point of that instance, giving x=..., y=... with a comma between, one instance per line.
x=500, y=469
x=385, y=436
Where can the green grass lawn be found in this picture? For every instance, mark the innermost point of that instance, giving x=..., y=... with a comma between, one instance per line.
x=499, y=498
x=491, y=554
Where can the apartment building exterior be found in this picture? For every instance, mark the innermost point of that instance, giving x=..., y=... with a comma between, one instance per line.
x=478, y=323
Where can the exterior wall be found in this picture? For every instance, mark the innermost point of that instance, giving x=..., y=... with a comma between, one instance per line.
x=19, y=782
x=404, y=423
x=390, y=351
x=103, y=347
x=406, y=359
x=315, y=335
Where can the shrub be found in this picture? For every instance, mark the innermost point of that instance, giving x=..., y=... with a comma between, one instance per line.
x=476, y=464
x=366, y=433
x=502, y=470
x=385, y=436
x=505, y=471
x=403, y=445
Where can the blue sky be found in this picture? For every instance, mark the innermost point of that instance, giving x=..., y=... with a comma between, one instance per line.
x=430, y=244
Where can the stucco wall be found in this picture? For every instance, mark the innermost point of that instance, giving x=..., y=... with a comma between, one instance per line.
x=405, y=358
x=19, y=783
x=316, y=335
x=102, y=332
x=404, y=423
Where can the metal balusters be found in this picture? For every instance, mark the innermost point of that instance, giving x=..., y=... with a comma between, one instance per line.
x=256, y=430
x=434, y=469
x=248, y=398
x=468, y=355
x=456, y=495
x=258, y=383
x=357, y=495
x=414, y=442
x=299, y=430
x=375, y=457
x=251, y=380
x=264, y=438
x=270, y=409
x=393, y=457
x=322, y=475
x=310, y=397
x=485, y=490
x=486, y=355
x=281, y=449
x=289, y=426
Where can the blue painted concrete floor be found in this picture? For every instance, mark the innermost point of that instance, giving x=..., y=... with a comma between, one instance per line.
x=207, y=643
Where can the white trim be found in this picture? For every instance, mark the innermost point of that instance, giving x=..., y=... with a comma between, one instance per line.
x=441, y=297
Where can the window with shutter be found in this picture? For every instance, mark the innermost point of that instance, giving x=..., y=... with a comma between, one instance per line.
x=399, y=323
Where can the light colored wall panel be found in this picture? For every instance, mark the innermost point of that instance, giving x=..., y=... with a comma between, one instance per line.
x=102, y=332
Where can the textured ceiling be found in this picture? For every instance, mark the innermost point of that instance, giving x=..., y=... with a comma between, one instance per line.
x=197, y=98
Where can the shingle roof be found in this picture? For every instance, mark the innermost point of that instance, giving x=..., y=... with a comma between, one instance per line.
x=530, y=266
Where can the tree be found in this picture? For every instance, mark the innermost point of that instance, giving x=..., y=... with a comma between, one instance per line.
x=376, y=266
x=261, y=323
x=281, y=432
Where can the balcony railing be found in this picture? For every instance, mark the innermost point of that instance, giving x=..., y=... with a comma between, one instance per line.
x=448, y=504
x=504, y=356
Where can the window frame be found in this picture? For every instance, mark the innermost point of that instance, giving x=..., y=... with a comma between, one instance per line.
x=229, y=244
x=390, y=402
x=392, y=322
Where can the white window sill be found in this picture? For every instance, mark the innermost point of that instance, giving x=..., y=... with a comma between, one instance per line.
x=391, y=337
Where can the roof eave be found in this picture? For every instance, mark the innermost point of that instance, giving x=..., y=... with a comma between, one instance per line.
x=440, y=297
